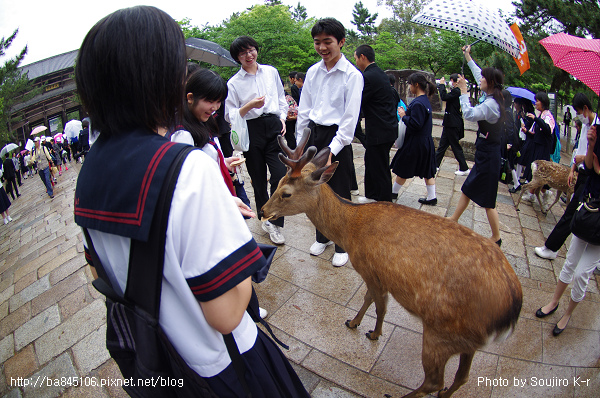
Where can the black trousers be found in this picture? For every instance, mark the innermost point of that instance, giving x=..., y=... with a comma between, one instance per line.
x=378, y=179
x=341, y=181
x=450, y=139
x=261, y=154
x=12, y=186
x=562, y=229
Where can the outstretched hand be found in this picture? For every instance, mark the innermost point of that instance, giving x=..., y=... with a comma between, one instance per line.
x=244, y=209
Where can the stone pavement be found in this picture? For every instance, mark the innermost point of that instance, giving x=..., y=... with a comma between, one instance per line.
x=52, y=321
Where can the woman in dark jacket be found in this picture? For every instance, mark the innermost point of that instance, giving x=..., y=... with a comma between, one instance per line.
x=523, y=124
x=417, y=155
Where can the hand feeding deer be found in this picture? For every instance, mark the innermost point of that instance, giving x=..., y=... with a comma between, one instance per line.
x=458, y=282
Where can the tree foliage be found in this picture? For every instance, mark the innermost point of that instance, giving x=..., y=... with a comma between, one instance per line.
x=13, y=85
x=579, y=18
x=299, y=13
x=364, y=20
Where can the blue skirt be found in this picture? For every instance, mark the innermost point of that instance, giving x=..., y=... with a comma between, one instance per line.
x=268, y=374
x=4, y=202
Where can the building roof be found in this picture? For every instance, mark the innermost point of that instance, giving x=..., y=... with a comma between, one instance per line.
x=50, y=65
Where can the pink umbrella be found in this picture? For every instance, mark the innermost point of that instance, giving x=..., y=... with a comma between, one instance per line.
x=58, y=137
x=580, y=57
x=38, y=129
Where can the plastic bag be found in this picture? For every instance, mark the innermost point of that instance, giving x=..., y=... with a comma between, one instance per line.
x=401, y=134
x=239, y=131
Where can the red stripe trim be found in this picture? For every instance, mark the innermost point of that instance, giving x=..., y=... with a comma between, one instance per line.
x=226, y=276
x=136, y=218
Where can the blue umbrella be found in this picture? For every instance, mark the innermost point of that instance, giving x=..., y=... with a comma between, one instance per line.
x=518, y=92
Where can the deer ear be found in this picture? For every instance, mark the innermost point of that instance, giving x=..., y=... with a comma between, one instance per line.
x=324, y=174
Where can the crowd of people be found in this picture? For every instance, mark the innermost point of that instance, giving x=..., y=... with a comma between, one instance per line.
x=206, y=291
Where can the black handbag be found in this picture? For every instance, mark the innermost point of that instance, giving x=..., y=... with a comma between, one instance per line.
x=586, y=221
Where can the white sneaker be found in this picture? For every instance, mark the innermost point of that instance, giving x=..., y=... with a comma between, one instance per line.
x=546, y=253
x=354, y=192
x=5, y=221
x=462, y=173
x=363, y=200
x=318, y=248
x=339, y=259
x=528, y=196
x=9, y=218
x=262, y=312
x=274, y=232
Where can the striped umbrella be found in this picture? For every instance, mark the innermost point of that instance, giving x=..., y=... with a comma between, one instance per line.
x=580, y=57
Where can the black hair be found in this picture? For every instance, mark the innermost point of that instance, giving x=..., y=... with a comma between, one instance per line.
x=507, y=98
x=580, y=100
x=293, y=74
x=454, y=77
x=204, y=84
x=544, y=99
x=419, y=79
x=192, y=67
x=241, y=44
x=494, y=79
x=392, y=79
x=329, y=26
x=135, y=82
x=367, y=51
x=525, y=104
x=301, y=76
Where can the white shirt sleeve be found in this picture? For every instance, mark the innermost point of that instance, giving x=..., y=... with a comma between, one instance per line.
x=476, y=70
x=489, y=110
x=232, y=101
x=347, y=125
x=182, y=137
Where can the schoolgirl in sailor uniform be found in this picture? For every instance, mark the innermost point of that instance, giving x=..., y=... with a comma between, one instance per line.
x=209, y=252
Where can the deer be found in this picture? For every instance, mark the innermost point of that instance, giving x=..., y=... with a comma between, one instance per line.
x=457, y=282
x=545, y=172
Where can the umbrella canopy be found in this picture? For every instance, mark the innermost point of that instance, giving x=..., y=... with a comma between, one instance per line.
x=8, y=148
x=580, y=57
x=38, y=129
x=58, y=137
x=518, y=92
x=469, y=18
x=73, y=128
x=24, y=152
x=29, y=145
x=208, y=51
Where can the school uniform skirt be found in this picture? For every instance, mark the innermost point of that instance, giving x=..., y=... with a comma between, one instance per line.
x=4, y=201
x=268, y=374
x=481, y=186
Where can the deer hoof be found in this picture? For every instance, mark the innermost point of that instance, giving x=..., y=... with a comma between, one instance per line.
x=370, y=335
x=442, y=392
x=350, y=326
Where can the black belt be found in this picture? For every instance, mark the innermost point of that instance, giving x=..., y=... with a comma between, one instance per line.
x=268, y=115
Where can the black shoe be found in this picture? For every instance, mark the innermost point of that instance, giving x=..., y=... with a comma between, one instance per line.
x=499, y=242
x=431, y=202
x=394, y=196
x=515, y=190
x=540, y=314
x=556, y=331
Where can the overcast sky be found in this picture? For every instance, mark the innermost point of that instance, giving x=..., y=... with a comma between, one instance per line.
x=52, y=27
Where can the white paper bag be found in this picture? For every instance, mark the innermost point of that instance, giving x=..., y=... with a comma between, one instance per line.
x=239, y=131
x=401, y=134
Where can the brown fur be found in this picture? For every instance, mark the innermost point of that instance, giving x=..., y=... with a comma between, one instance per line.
x=553, y=174
x=458, y=282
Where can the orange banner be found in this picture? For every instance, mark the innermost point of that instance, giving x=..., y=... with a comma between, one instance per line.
x=523, y=59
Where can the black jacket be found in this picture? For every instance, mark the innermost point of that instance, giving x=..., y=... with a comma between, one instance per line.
x=9, y=169
x=453, y=116
x=295, y=93
x=379, y=107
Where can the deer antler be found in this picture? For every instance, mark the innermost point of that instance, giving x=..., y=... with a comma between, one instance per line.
x=295, y=160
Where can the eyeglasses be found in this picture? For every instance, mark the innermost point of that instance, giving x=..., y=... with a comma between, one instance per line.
x=248, y=52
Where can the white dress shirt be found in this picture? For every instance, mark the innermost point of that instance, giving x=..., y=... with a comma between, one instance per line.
x=244, y=87
x=582, y=145
x=488, y=110
x=331, y=97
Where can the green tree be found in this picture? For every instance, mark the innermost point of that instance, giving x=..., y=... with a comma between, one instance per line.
x=299, y=13
x=273, y=2
x=364, y=20
x=580, y=18
x=14, y=86
x=403, y=11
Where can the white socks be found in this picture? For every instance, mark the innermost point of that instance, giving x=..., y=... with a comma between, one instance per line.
x=516, y=182
x=396, y=187
x=430, y=192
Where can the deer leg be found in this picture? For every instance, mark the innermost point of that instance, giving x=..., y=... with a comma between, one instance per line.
x=381, y=300
x=558, y=193
x=523, y=190
x=537, y=195
x=436, y=353
x=462, y=375
x=352, y=324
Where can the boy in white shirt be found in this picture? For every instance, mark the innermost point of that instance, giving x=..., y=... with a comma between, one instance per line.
x=330, y=107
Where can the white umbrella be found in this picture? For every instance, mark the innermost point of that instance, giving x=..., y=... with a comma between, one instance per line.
x=7, y=148
x=469, y=18
x=29, y=145
x=73, y=128
x=39, y=129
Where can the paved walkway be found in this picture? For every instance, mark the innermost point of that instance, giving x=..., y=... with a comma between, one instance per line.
x=52, y=321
